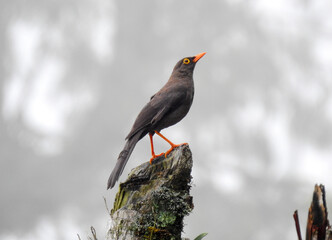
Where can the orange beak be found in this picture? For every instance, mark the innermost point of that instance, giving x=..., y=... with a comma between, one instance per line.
x=199, y=56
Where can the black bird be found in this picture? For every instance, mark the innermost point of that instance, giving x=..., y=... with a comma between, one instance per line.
x=166, y=108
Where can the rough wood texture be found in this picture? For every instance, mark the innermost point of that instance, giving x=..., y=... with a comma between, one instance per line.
x=153, y=201
x=318, y=226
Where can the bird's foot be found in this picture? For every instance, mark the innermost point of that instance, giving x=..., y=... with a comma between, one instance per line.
x=155, y=156
x=174, y=146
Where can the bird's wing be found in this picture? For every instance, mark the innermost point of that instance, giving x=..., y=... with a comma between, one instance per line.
x=160, y=104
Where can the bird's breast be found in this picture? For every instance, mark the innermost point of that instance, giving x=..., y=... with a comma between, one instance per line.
x=176, y=113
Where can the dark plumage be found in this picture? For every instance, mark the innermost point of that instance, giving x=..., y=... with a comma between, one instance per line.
x=165, y=108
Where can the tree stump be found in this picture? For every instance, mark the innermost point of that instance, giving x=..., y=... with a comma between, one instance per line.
x=153, y=201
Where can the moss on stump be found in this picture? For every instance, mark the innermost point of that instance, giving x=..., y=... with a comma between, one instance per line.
x=153, y=201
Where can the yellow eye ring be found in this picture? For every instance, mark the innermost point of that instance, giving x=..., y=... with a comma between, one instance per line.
x=186, y=61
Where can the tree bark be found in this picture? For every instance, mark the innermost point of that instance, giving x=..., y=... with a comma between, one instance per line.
x=153, y=201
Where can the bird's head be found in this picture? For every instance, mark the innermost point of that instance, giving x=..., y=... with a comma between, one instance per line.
x=187, y=64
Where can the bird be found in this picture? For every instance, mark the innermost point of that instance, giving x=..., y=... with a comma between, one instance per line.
x=165, y=108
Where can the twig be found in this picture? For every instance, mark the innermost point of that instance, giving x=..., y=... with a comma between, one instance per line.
x=94, y=234
x=297, y=225
x=108, y=210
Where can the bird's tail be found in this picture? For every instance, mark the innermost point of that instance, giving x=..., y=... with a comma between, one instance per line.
x=122, y=160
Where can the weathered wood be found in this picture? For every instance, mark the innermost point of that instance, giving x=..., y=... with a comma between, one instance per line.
x=318, y=226
x=153, y=201
x=318, y=223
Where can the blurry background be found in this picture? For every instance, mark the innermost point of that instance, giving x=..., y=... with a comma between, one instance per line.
x=75, y=74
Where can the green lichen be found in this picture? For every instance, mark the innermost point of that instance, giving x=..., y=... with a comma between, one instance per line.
x=121, y=200
x=166, y=218
x=166, y=214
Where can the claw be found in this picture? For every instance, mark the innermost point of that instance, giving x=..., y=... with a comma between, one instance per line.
x=174, y=146
x=168, y=151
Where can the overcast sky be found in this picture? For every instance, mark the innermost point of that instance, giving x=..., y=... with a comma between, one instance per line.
x=75, y=74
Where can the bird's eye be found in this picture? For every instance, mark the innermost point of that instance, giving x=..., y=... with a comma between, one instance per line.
x=186, y=61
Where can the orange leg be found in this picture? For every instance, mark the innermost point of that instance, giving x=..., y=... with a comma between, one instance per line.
x=152, y=149
x=172, y=144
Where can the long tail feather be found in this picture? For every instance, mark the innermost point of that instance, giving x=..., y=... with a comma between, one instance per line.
x=122, y=160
